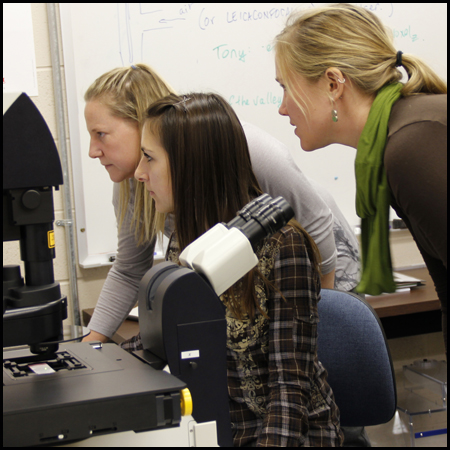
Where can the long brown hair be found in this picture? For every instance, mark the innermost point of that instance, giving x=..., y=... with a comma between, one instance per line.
x=211, y=173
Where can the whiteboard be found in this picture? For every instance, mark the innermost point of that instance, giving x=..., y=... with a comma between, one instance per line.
x=225, y=48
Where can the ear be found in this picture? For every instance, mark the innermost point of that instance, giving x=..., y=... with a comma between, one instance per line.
x=335, y=82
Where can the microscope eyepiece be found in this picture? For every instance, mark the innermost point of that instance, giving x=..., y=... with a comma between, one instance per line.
x=245, y=214
x=262, y=217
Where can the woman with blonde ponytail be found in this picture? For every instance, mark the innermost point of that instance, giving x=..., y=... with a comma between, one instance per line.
x=116, y=104
x=340, y=73
x=342, y=84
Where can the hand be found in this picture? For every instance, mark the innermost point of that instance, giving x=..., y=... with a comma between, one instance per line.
x=94, y=336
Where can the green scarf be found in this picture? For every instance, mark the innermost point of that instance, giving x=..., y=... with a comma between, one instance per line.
x=373, y=196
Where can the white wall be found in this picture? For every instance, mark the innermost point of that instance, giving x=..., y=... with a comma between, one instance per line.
x=90, y=281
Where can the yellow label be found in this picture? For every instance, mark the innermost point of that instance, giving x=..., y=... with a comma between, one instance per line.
x=51, y=239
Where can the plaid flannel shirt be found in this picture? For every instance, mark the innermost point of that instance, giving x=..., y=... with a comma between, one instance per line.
x=279, y=396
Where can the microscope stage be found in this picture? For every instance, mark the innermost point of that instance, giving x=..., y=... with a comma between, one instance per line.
x=104, y=390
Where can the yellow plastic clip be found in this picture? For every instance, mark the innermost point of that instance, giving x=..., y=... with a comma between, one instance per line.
x=186, y=402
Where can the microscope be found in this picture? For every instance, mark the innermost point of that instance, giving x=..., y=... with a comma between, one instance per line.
x=33, y=311
x=56, y=392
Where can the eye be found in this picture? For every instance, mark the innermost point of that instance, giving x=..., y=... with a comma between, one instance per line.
x=281, y=85
x=100, y=134
x=148, y=157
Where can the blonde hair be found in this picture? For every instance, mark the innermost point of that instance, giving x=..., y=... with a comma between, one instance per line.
x=355, y=41
x=128, y=92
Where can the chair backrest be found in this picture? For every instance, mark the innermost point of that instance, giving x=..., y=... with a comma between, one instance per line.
x=352, y=347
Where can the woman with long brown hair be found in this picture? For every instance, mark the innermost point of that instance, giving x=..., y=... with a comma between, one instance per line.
x=196, y=166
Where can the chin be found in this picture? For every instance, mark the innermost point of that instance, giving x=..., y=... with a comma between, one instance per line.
x=309, y=147
x=118, y=177
x=306, y=148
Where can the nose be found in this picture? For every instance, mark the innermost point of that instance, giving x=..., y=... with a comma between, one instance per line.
x=140, y=173
x=282, y=109
x=94, y=150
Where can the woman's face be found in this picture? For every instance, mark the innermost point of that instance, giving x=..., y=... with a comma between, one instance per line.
x=154, y=171
x=313, y=127
x=114, y=141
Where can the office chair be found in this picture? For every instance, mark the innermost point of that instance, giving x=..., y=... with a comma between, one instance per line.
x=352, y=347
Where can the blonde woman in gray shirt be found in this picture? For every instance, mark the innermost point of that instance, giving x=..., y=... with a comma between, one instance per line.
x=115, y=106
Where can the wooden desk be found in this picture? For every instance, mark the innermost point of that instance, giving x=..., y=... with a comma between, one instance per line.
x=420, y=299
x=417, y=300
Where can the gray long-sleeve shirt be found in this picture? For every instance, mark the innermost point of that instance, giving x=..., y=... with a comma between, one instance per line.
x=278, y=174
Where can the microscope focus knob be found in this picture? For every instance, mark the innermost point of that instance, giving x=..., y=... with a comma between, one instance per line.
x=31, y=199
x=186, y=402
x=11, y=273
x=11, y=279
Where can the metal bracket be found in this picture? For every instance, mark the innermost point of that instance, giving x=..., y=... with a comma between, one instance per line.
x=63, y=222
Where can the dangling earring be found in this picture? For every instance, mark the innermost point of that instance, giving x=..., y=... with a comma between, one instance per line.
x=334, y=115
